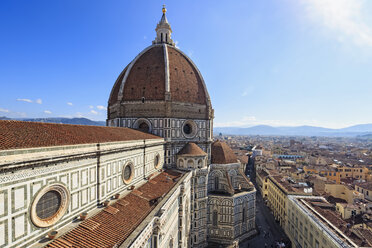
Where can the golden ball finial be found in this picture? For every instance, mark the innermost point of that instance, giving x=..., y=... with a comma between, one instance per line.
x=164, y=9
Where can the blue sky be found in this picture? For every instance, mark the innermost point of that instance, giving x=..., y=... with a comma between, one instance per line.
x=275, y=62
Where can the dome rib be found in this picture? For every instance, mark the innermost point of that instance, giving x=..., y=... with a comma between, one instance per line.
x=207, y=97
x=161, y=72
x=130, y=65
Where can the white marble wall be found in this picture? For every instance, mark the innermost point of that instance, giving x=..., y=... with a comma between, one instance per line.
x=19, y=186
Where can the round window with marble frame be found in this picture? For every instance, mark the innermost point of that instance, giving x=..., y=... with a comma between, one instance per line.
x=49, y=205
x=157, y=161
x=127, y=173
x=189, y=129
x=143, y=125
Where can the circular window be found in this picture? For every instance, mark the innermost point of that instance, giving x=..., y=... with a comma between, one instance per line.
x=127, y=173
x=157, y=161
x=49, y=205
x=143, y=127
x=189, y=129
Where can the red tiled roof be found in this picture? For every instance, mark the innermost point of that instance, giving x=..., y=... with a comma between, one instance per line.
x=113, y=229
x=146, y=78
x=222, y=153
x=22, y=134
x=191, y=149
x=185, y=82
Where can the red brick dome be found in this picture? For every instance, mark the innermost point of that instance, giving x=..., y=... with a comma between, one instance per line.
x=160, y=72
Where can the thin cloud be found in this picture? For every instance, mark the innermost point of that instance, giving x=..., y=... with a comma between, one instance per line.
x=100, y=107
x=69, y=103
x=21, y=114
x=94, y=112
x=247, y=120
x=80, y=115
x=39, y=101
x=24, y=100
x=91, y=107
x=47, y=112
x=4, y=110
x=344, y=17
x=253, y=121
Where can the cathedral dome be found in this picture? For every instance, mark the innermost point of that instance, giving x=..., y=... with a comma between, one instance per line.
x=222, y=153
x=160, y=72
x=160, y=82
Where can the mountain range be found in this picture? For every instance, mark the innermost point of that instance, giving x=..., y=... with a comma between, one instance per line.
x=61, y=120
x=357, y=130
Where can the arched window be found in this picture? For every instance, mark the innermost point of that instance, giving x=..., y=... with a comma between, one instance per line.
x=171, y=243
x=190, y=164
x=200, y=163
x=216, y=182
x=161, y=37
x=214, y=218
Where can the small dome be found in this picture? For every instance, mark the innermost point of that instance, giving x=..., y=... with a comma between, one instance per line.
x=222, y=153
x=191, y=149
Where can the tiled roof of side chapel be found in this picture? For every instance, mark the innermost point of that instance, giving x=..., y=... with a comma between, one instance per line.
x=113, y=225
x=191, y=149
x=222, y=153
x=22, y=134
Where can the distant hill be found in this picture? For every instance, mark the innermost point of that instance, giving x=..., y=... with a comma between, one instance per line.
x=357, y=130
x=61, y=120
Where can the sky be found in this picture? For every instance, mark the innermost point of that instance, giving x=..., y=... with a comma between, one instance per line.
x=274, y=62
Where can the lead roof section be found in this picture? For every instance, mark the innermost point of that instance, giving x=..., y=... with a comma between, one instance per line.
x=111, y=230
x=22, y=134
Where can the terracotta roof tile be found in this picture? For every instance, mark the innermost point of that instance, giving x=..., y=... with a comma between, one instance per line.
x=146, y=78
x=22, y=134
x=222, y=153
x=191, y=149
x=115, y=229
x=185, y=82
x=111, y=210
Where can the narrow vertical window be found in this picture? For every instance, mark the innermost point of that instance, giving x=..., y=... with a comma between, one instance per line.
x=214, y=218
x=243, y=215
x=161, y=37
x=216, y=182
